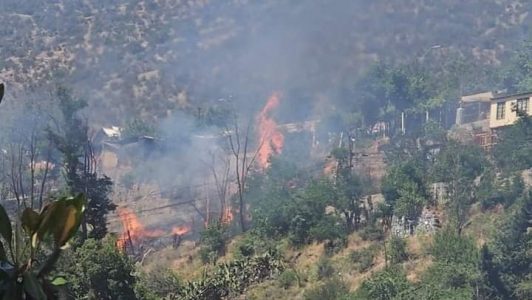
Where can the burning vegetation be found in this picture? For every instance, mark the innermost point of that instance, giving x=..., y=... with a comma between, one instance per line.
x=135, y=233
x=270, y=138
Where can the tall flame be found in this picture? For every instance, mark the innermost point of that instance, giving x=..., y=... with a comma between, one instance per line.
x=180, y=230
x=134, y=231
x=270, y=138
x=227, y=216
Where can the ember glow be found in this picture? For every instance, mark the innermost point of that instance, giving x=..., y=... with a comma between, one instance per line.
x=228, y=216
x=270, y=138
x=134, y=230
x=180, y=230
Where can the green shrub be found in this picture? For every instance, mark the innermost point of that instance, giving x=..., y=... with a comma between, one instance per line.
x=384, y=285
x=98, y=269
x=287, y=278
x=328, y=228
x=371, y=233
x=334, y=246
x=299, y=231
x=449, y=247
x=363, y=259
x=156, y=284
x=332, y=289
x=397, y=250
x=324, y=268
x=212, y=243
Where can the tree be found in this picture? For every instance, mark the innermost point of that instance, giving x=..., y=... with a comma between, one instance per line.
x=138, y=128
x=514, y=149
x=27, y=154
x=516, y=76
x=71, y=139
x=459, y=165
x=220, y=166
x=386, y=90
x=98, y=270
x=456, y=269
x=213, y=240
x=397, y=250
x=384, y=285
x=26, y=265
x=404, y=188
x=346, y=190
x=511, y=249
x=156, y=284
x=239, y=145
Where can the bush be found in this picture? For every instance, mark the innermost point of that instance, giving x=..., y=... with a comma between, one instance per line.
x=324, y=268
x=334, y=246
x=449, y=247
x=213, y=243
x=246, y=246
x=384, y=285
x=328, y=228
x=363, y=259
x=156, y=285
x=99, y=270
x=287, y=278
x=397, y=250
x=331, y=289
x=371, y=233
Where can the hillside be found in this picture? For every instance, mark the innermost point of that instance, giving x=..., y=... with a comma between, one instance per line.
x=147, y=58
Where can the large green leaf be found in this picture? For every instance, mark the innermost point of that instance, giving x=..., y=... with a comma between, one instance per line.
x=61, y=219
x=30, y=221
x=47, y=219
x=58, y=281
x=71, y=219
x=5, y=225
x=33, y=287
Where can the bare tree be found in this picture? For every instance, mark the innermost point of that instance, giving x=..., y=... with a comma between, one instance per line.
x=220, y=167
x=28, y=170
x=239, y=145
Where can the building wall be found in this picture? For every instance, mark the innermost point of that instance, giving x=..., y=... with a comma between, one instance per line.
x=510, y=117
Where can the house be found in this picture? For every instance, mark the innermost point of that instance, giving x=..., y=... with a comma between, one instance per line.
x=505, y=109
x=474, y=108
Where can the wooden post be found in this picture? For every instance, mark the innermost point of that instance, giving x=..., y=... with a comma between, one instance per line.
x=403, y=123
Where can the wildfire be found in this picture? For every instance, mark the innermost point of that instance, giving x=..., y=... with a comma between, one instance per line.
x=180, y=230
x=134, y=230
x=270, y=137
x=329, y=168
x=228, y=216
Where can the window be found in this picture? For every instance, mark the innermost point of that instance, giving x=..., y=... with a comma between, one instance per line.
x=522, y=105
x=500, y=110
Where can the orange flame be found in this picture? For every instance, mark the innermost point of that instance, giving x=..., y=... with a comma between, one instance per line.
x=227, y=216
x=180, y=230
x=329, y=168
x=270, y=137
x=134, y=230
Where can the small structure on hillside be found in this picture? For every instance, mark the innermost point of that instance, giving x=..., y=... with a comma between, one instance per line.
x=474, y=108
x=506, y=109
x=428, y=222
x=105, y=134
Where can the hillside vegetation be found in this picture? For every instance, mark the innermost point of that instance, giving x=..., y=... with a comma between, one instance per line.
x=247, y=149
x=146, y=58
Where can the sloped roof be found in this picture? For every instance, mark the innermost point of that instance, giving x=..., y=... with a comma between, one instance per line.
x=510, y=96
x=479, y=97
x=114, y=131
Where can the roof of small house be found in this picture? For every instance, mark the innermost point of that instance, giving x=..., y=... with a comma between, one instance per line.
x=479, y=97
x=112, y=132
x=512, y=96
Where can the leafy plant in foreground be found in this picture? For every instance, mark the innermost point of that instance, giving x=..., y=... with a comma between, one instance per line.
x=22, y=275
